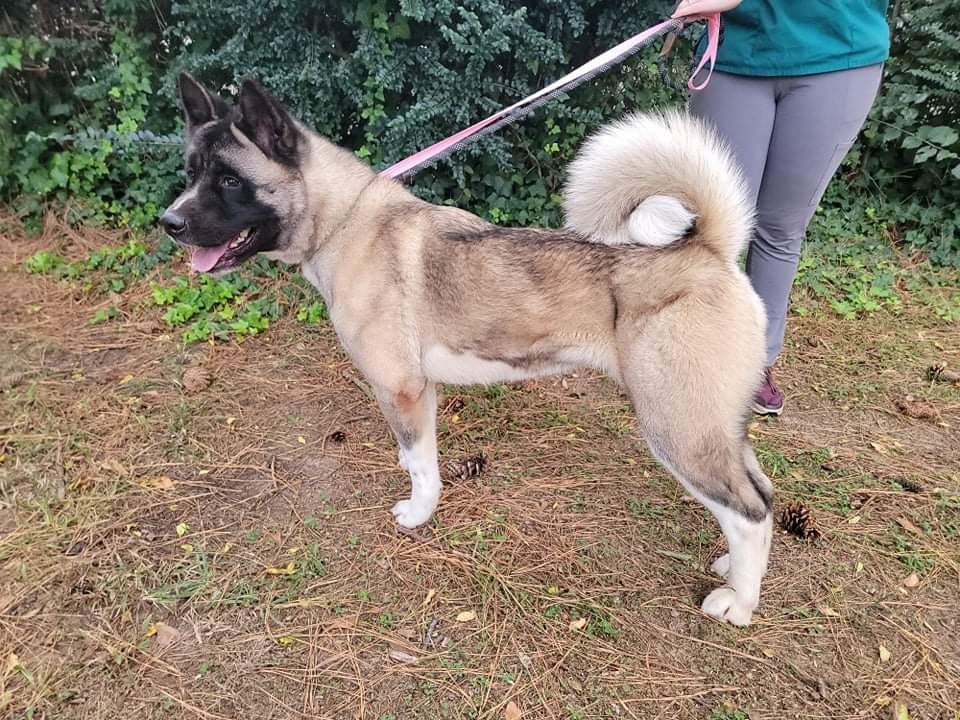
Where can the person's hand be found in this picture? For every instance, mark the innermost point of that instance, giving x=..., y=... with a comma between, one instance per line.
x=699, y=8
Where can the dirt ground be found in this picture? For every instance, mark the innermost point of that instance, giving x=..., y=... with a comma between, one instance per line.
x=204, y=532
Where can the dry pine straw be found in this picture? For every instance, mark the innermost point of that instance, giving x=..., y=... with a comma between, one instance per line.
x=111, y=612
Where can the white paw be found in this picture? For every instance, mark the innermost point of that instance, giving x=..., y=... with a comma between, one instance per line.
x=723, y=604
x=402, y=460
x=721, y=566
x=409, y=514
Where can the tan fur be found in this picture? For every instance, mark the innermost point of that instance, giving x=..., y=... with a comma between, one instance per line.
x=421, y=294
x=674, y=155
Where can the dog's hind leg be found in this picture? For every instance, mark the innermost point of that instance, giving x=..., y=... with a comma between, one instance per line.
x=741, y=499
x=691, y=371
x=411, y=411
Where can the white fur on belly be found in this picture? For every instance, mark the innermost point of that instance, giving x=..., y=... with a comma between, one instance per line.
x=440, y=364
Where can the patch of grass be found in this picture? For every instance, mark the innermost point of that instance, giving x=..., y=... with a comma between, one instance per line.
x=190, y=578
x=618, y=421
x=643, y=509
x=908, y=552
x=728, y=711
x=242, y=304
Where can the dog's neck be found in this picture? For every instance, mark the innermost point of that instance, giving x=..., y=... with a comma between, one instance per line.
x=336, y=179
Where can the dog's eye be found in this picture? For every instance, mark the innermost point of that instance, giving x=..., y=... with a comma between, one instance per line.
x=229, y=181
x=191, y=175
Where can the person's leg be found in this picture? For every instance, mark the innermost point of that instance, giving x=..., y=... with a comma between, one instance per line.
x=742, y=110
x=817, y=120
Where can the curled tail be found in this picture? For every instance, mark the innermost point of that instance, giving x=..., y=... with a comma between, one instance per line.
x=653, y=179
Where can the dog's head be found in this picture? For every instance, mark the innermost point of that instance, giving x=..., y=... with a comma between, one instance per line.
x=244, y=189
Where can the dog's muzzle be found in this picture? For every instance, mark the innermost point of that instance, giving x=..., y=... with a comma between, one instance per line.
x=172, y=223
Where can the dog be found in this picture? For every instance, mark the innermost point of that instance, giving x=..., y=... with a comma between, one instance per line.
x=643, y=284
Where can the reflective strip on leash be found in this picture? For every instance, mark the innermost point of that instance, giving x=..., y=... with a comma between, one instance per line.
x=601, y=63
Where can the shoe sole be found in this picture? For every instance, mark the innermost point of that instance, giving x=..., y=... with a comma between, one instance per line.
x=762, y=410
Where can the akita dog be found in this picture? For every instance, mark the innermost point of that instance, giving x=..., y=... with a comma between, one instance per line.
x=643, y=284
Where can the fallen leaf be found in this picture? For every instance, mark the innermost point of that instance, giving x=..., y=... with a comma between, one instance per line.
x=301, y=439
x=900, y=711
x=911, y=580
x=285, y=641
x=114, y=466
x=431, y=594
x=859, y=566
x=161, y=482
x=403, y=657
x=853, y=520
x=182, y=529
x=909, y=526
x=827, y=611
x=579, y=624
x=187, y=547
x=123, y=381
x=466, y=616
x=879, y=448
x=884, y=654
x=231, y=420
x=13, y=662
x=512, y=712
x=151, y=631
x=196, y=379
x=290, y=569
x=166, y=635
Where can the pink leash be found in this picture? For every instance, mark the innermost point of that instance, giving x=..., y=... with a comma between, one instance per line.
x=599, y=64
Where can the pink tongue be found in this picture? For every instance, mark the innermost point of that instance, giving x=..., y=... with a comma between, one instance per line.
x=204, y=258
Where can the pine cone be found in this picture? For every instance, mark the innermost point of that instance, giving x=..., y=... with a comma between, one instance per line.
x=910, y=485
x=469, y=467
x=915, y=409
x=797, y=519
x=196, y=379
x=940, y=373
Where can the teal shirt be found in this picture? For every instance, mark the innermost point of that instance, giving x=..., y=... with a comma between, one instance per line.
x=773, y=38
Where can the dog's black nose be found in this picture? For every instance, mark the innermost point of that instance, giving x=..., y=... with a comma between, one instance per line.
x=173, y=223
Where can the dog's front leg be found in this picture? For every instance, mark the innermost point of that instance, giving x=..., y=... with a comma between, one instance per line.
x=411, y=411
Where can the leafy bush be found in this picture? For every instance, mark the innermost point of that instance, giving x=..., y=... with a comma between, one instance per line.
x=88, y=109
x=910, y=150
x=74, y=108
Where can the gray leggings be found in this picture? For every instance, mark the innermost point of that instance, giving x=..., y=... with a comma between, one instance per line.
x=789, y=135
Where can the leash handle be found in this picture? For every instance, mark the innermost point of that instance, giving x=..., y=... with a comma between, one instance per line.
x=602, y=62
x=710, y=54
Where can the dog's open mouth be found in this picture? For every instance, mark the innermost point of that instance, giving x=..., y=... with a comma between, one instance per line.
x=226, y=256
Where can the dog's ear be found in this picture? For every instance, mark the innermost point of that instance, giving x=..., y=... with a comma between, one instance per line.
x=265, y=121
x=199, y=104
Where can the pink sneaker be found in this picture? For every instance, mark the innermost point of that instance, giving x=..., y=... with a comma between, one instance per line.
x=769, y=399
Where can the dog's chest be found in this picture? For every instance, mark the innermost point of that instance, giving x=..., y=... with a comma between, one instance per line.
x=315, y=277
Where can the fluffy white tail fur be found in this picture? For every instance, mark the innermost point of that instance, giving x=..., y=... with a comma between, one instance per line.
x=651, y=179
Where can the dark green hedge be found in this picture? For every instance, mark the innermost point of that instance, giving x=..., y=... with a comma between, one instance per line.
x=88, y=107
